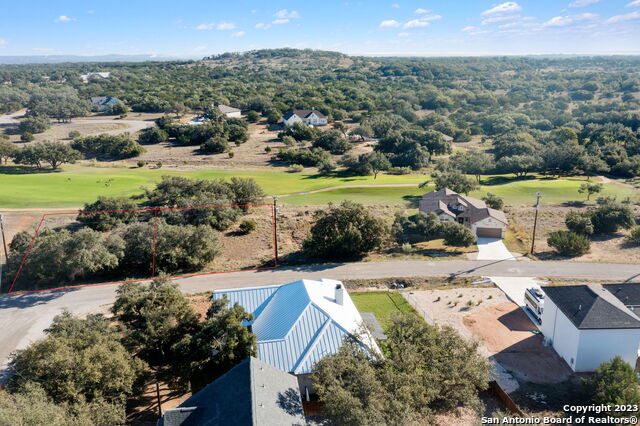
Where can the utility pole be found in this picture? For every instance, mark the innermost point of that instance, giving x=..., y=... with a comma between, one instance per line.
x=4, y=241
x=535, y=221
x=275, y=226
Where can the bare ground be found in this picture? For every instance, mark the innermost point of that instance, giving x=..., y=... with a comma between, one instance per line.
x=504, y=331
x=604, y=248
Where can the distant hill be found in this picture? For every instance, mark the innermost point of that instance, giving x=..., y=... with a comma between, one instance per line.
x=57, y=59
x=278, y=58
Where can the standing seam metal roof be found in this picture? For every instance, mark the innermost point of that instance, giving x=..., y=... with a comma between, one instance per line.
x=292, y=328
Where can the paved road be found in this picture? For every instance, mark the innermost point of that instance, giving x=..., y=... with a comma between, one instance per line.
x=23, y=317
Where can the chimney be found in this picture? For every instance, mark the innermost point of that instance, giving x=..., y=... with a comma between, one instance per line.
x=339, y=294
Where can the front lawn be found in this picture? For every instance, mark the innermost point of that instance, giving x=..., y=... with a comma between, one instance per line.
x=382, y=304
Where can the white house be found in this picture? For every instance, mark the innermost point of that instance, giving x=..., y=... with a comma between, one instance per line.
x=310, y=117
x=450, y=206
x=94, y=76
x=590, y=324
x=299, y=323
x=230, y=112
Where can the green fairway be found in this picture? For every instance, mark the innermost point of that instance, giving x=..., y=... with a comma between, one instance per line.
x=382, y=304
x=384, y=195
x=553, y=191
x=76, y=185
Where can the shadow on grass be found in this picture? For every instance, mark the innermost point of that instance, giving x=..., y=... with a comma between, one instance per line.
x=501, y=180
x=25, y=170
x=413, y=200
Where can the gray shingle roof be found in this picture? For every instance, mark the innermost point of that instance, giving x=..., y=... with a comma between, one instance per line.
x=252, y=393
x=592, y=307
x=303, y=113
x=476, y=209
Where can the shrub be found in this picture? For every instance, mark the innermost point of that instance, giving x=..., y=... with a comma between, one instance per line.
x=121, y=209
x=399, y=170
x=569, y=243
x=416, y=228
x=34, y=125
x=247, y=226
x=74, y=134
x=267, y=149
x=231, y=154
x=159, y=164
x=116, y=146
x=27, y=137
x=580, y=223
x=493, y=201
x=611, y=215
x=153, y=135
x=634, y=236
x=296, y=168
x=458, y=235
x=253, y=117
x=344, y=232
x=140, y=163
x=215, y=145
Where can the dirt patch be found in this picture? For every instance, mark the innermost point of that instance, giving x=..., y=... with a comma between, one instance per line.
x=200, y=303
x=144, y=409
x=604, y=248
x=449, y=307
x=503, y=329
x=506, y=332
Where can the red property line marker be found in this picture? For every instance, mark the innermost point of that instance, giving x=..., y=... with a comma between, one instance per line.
x=15, y=279
x=153, y=247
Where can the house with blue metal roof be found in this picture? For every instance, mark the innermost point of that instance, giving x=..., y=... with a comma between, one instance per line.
x=299, y=323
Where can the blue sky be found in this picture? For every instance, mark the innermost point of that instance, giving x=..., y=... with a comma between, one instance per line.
x=406, y=27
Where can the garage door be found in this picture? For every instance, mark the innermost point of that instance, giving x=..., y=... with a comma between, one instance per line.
x=489, y=232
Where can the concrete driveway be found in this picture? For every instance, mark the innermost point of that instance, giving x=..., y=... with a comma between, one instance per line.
x=514, y=288
x=492, y=249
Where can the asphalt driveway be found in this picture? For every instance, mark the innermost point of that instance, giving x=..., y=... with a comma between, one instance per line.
x=492, y=249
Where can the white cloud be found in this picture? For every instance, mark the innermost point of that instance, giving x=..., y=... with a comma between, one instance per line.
x=473, y=30
x=563, y=21
x=421, y=11
x=390, y=23
x=238, y=34
x=91, y=12
x=508, y=7
x=421, y=22
x=286, y=14
x=634, y=3
x=583, y=3
x=64, y=18
x=623, y=18
x=508, y=21
x=254, y=10
x=222, y=26
x=3, y=43
x=280, y=21
x=395, y=5
x=199, y=48
x=404, y=34
x=205, y=27
x=262, y=26
x=225, y=26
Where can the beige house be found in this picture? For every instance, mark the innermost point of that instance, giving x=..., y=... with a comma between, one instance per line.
x=450, y=206
x=229, y=111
